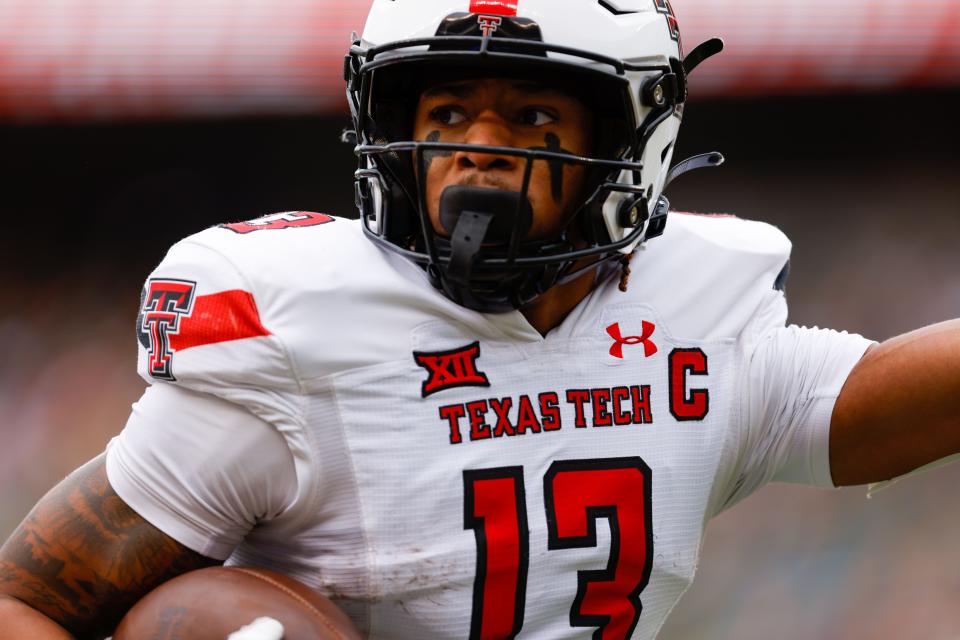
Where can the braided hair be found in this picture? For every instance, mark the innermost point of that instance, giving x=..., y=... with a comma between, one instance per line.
x=625, y=272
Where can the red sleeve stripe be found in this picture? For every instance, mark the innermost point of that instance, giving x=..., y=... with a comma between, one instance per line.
x=220, y=317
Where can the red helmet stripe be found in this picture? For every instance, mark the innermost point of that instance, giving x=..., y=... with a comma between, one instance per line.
x=494, y=7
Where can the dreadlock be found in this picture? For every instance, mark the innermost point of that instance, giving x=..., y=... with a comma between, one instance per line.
x=625, y=272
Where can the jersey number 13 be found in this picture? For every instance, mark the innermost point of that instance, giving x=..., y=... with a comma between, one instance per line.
x=576, y=494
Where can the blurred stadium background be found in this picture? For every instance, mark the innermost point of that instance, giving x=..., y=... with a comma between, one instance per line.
x=125, y=125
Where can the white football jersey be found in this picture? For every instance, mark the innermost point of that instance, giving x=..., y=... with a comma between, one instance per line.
x=319, y=408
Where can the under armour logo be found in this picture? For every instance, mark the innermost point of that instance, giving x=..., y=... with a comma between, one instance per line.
x=165, y=302
x=449, y=369
x=644, y=338
x=489, y=24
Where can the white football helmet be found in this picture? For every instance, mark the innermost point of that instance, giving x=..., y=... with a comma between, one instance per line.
x=624, y=58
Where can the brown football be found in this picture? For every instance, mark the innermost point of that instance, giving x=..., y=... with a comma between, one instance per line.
x=210, y=604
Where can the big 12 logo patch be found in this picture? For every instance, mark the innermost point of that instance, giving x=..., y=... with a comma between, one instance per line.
x=451, y=369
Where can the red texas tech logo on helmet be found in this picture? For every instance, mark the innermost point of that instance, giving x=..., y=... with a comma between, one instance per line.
x=491, y=12
x=165, y=303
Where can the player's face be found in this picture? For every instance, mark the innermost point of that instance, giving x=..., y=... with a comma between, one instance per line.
x=511, y=113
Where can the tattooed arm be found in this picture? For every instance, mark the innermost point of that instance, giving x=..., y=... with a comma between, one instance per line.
x=81, y=558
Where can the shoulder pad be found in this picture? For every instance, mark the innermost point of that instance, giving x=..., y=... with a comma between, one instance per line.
x=708, y=275
x=201, y=326
x=332, y=298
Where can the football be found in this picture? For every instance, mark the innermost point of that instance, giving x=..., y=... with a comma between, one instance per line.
x=212, y=603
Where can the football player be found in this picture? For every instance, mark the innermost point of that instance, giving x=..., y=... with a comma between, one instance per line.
x=458, y=416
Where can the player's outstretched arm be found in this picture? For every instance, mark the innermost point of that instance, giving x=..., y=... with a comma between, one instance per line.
x=80, y=559
x=900, y=407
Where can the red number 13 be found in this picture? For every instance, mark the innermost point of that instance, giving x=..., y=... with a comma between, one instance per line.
x=576, y=494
